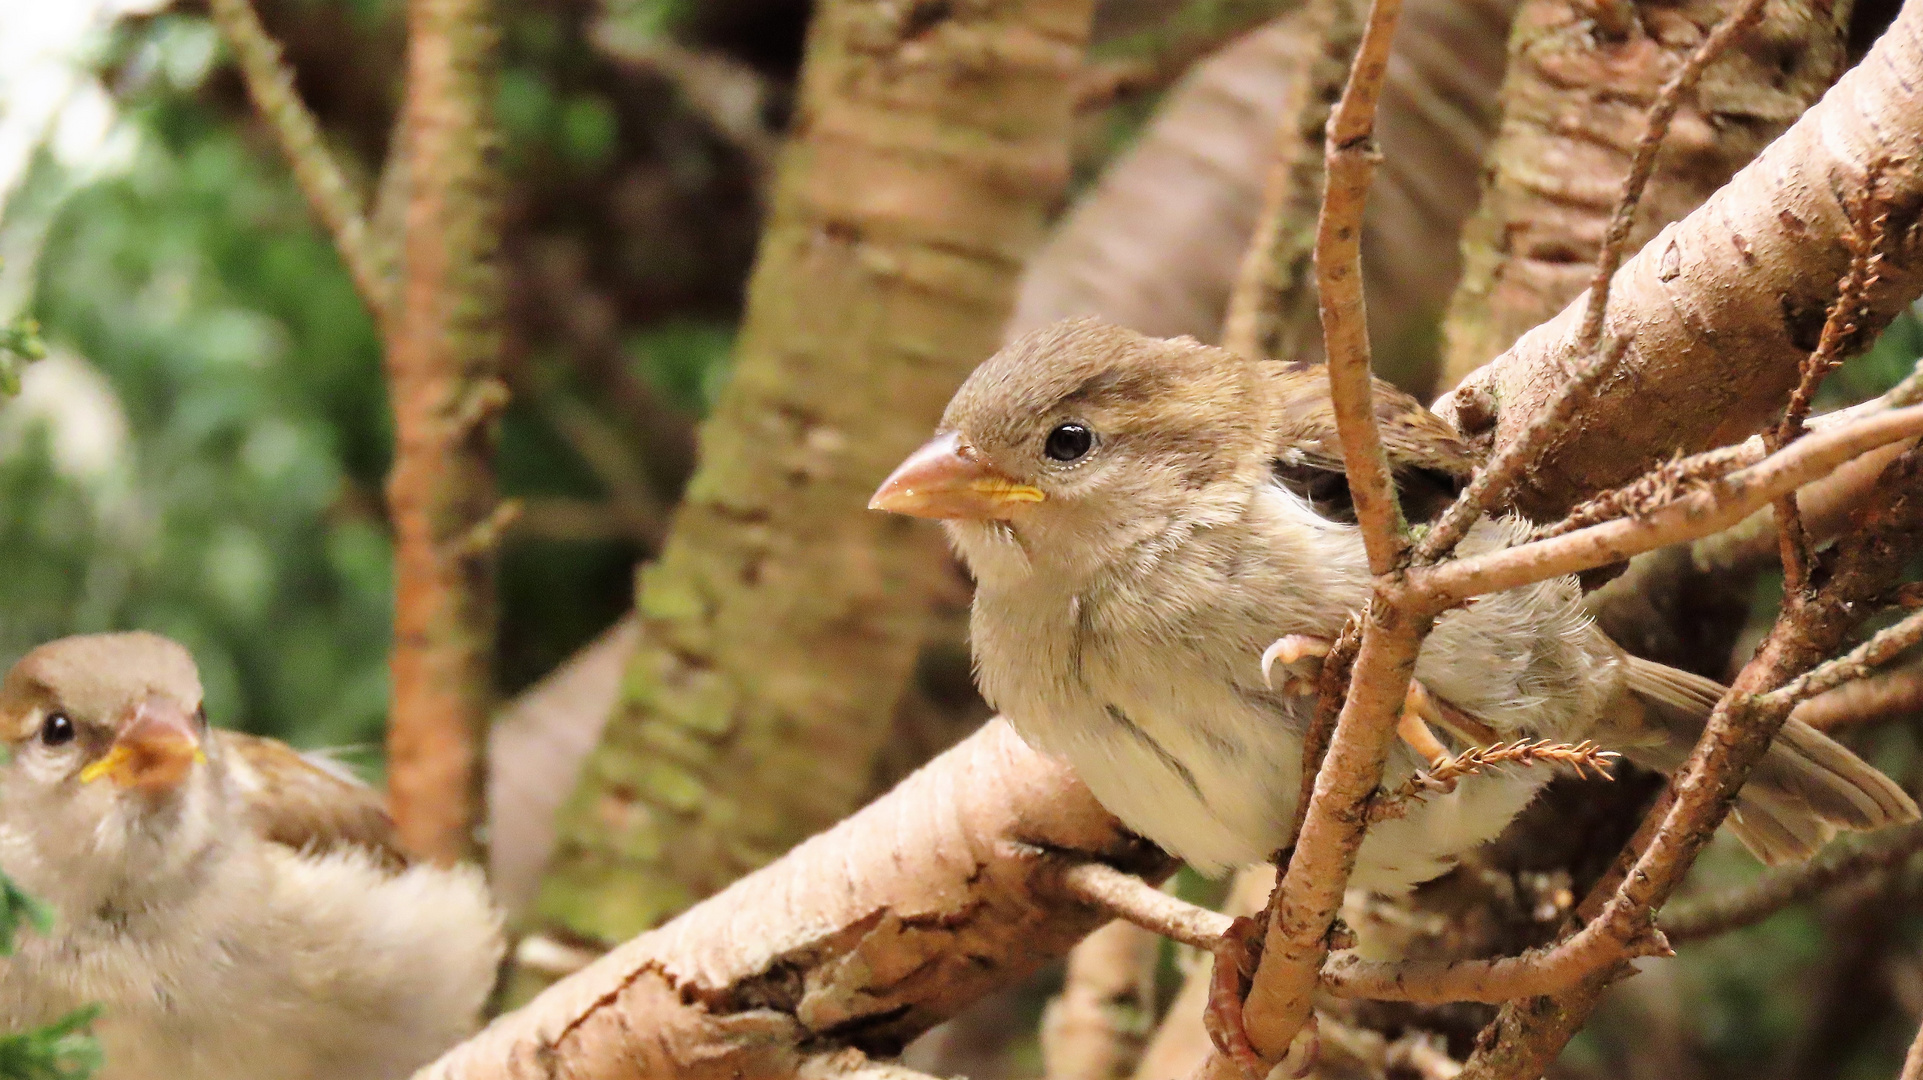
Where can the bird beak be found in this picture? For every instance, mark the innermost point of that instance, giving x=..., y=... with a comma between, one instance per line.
x=947, y=479
x=155, y=751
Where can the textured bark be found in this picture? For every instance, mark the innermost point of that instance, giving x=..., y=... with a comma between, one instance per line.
x=863, y=936
x=442, y=351
x=782, y=621
x=1155, y=244
x=1721, y=308
x=1581, y=78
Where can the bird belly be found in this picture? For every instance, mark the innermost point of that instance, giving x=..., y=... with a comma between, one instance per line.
x=1217, y=794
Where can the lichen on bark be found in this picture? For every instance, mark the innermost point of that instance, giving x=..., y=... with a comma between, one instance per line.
x=782, y=620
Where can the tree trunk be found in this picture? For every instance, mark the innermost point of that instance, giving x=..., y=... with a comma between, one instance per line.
x=782, y=621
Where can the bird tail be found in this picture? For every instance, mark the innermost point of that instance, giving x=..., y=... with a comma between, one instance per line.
x=1805, y=789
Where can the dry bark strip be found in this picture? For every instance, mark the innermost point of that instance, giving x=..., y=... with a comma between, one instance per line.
x=781, y=622
x=865, y=935
x=1721, y=308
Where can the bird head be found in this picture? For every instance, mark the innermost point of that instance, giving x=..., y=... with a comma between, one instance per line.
x=1081, y=440
x=106, y=777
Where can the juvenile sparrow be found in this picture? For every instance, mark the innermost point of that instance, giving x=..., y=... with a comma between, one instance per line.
x=238, y=911
x=1144, y=516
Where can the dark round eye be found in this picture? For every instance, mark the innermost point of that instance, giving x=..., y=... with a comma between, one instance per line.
x=1068, y=442
x=56, y=729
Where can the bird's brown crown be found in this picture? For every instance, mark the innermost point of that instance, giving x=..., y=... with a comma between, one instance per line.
x=96, y=677
x=1198, y=408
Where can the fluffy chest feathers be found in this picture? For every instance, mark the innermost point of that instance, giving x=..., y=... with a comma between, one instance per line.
x=1147, y=678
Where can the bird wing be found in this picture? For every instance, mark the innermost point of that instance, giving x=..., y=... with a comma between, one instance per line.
x=308, y=802
x=1430, y=460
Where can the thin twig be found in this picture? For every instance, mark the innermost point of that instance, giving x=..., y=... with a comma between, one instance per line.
x=1866, y=701
x=1126, y=896
x=1331, y=686
x=1869, y=221
x=1584, y=757
x=1527, y=1036
x=1886, y=645
x=1304, y=905
x=335, y=201
x=1714, y=507
x=1660, y=485
x=1538, y=971
x=1732, y=910
x=1495, y=481
x=1349, y=165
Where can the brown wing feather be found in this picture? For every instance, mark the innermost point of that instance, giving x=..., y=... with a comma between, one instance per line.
x=306, y=803
x=1430, y=460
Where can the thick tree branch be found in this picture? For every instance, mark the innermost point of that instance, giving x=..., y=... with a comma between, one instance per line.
x=953, y=892
x=1784, y=222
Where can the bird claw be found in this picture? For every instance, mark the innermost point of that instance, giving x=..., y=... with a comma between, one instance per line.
x=1236, y=954
x=1288, y=649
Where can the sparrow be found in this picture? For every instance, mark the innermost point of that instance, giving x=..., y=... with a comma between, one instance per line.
x=235, y=909
x=1145, y=517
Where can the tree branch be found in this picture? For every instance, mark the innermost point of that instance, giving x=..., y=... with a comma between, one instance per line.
x=443, y=350
x=335, y=201
x=1709, y=916
x=957, y=894
x=1125, y=896
x=1783, y=221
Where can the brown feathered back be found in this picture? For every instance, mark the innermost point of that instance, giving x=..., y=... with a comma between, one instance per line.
x=1430, y=460
x=305, y=803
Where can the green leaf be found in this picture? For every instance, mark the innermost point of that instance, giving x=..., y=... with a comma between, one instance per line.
x=63, y=1050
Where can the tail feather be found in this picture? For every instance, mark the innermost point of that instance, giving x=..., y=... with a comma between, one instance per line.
x=1803, y=791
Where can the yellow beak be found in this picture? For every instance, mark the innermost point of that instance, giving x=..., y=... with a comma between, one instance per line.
x=947, y=479
x=154, y=751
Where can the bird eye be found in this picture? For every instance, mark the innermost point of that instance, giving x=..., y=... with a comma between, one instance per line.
x=56, y=729
x=1068, y=442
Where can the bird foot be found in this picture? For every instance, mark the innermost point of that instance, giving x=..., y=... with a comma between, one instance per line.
x=1286, y=650
x=1419, y=710
x=1237, y=953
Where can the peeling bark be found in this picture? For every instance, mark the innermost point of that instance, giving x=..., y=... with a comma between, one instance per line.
x=1721, y=308
x=863, y=936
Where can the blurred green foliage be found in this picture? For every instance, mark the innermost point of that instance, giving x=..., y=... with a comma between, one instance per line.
x=239, y=515
x=59, y=1051
x=210, y=462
